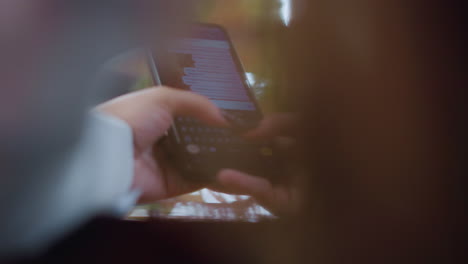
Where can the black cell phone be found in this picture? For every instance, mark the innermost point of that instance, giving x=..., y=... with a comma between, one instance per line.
x=204, y=61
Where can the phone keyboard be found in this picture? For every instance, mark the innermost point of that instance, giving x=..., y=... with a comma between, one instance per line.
x=206, y=150
x=202, y=138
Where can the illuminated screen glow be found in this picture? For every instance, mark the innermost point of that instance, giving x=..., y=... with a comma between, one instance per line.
x=208, y=68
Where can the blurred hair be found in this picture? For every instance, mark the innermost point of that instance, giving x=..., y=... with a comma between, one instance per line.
x=378, y=84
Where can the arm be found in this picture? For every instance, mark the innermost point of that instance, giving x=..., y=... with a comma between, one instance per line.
x=89, y=179
x=113, y=156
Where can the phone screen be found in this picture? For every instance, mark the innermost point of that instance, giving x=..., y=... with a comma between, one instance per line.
x=204, y=61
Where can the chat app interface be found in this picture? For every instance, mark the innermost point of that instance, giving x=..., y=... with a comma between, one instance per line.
x=205, y=65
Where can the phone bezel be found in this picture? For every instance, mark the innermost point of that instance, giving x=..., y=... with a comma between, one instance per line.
x=153, y=65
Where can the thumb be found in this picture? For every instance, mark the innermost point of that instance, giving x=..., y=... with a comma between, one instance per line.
x=273, y=198
x=273, y=125
x=185, y=103
x=150, y=112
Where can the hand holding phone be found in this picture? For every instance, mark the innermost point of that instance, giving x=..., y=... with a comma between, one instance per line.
x=204, y=61
x=149, y=114
x=280, y=199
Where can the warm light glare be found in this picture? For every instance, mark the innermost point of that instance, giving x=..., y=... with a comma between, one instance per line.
x=286, y=11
